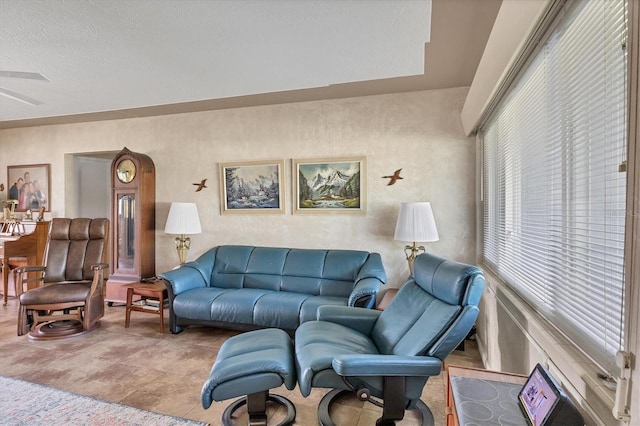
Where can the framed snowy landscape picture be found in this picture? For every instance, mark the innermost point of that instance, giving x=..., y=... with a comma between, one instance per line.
x=323, y=185
x=252, y=187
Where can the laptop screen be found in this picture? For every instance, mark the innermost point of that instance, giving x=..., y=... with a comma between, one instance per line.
x=538, y=396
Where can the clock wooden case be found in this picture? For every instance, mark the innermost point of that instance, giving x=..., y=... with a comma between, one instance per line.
x=133, y=201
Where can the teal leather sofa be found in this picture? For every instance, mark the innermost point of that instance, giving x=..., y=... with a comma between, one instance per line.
x=249, y=287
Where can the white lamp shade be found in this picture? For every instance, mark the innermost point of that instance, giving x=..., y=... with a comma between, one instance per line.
x=416, y=223
x=183, y=219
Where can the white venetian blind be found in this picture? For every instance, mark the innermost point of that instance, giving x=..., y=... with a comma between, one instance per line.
x=554, y=180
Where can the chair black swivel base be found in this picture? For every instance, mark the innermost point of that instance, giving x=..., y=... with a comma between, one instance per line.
x=257, y=409
x=389, y=415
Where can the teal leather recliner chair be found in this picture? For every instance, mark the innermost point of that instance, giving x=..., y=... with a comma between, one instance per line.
x=390, y=355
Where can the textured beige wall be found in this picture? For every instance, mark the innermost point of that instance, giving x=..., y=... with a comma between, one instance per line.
x=420, y=132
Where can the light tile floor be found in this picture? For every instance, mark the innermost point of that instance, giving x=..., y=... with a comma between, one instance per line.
x=139, y=367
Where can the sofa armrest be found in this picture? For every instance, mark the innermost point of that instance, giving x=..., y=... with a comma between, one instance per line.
x=372, y=268
x=367, y=287
x=359, y=319
x=184, y=278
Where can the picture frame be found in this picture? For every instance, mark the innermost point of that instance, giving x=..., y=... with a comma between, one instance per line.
x=330, y=185
x=252, y=187
x=39, y=179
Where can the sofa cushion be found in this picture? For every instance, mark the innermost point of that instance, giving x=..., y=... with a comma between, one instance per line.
x=304, y=285
x=309, y=310
x=196, y=303
x=267, y=260
x=334, y=288
x=236, y=305
x=280, y=309
x=262, y=281
x=230, y=266
x=305, y=263
x=343, y=265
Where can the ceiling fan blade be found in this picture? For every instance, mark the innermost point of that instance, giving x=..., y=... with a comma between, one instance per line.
x=18, y=97
x=24, y=75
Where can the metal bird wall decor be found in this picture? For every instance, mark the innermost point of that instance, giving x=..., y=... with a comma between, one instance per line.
x=1, y=187
x=200, y=185
x=394, y=177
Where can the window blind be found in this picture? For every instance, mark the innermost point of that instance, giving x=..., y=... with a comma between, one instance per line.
x=554, y=183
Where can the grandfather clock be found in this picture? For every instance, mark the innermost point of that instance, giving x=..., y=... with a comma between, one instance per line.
x=133, y=204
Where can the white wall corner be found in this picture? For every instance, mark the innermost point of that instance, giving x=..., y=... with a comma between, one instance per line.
x=514, y=23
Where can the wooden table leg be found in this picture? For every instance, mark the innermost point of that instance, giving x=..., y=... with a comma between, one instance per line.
x=5, y=280
x=161, y=312
x=127, y=315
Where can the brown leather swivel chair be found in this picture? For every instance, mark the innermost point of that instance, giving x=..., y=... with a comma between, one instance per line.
x=68, y=294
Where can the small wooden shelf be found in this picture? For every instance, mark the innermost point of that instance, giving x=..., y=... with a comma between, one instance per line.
x=147, y=291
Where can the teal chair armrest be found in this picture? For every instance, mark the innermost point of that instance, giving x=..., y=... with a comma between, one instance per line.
x=386, y=365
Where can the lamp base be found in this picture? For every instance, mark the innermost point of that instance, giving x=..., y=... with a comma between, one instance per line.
x=183, y=243
x=411, y=252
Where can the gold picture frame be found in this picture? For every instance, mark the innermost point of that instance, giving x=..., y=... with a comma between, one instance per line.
x=252, y=187
x=329, y=185
x=31, y=185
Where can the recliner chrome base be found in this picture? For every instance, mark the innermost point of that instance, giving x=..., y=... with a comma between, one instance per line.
x=257, y=409
x=324, y=418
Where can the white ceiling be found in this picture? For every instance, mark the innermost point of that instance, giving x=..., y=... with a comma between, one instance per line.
x=113, y=55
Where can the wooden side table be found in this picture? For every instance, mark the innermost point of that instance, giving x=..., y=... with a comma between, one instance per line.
x=156, y=290
x=386, y=298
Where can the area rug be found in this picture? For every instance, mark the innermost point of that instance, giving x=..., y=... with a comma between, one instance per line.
x=24, y=403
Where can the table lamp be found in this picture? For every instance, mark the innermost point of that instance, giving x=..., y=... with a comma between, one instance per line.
x=183, y=219
x=416, y=224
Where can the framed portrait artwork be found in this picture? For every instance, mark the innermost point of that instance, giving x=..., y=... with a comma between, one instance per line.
x=31, y=186
x=330, y=185
x=252, y=187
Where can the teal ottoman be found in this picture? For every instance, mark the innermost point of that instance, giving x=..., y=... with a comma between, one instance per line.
x=251, y=364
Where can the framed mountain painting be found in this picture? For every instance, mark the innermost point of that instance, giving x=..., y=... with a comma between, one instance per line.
x=252, y=187
x=330, y=185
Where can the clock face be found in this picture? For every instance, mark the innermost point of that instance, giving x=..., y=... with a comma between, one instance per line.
x=126, y=171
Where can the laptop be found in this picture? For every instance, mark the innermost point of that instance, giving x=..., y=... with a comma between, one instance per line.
x=544, y=403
